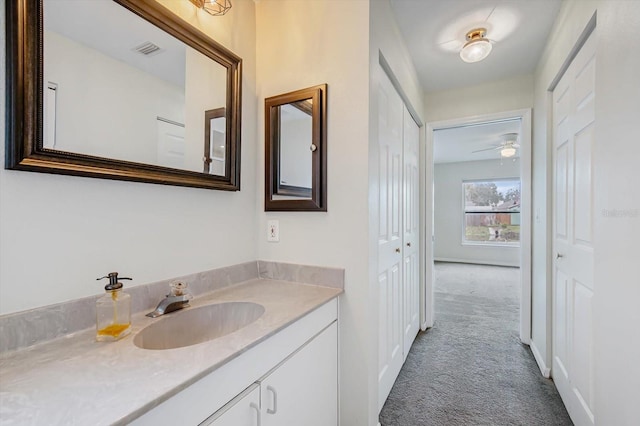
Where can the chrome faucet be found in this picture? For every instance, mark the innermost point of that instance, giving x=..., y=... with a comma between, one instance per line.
x=177, y=299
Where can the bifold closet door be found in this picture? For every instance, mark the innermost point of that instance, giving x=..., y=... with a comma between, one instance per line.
x=390, y=200
x=573, y=125
x=411, y=229
x=398, y=236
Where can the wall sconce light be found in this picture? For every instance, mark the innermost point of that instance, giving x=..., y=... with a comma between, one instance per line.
x=213, y=7
x=477, y=46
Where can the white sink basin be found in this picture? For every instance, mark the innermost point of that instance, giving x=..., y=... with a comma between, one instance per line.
x=196, y=325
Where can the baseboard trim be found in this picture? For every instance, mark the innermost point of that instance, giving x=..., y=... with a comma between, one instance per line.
x=474, y=262
x=546, y=371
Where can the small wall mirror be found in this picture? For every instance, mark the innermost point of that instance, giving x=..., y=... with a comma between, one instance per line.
x=296, y=151
x=120, y=89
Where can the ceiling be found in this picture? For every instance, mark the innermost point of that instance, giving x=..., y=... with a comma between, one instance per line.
x=434, y=31
x=105, y=26
x=457, y=144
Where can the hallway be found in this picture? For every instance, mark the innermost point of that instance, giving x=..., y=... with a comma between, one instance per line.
x=470, y=368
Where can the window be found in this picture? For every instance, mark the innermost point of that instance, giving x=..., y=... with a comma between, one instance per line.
x=492, y=211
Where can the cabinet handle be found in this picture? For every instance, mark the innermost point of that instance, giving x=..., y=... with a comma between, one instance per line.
x=275, y=400
x=258, y=414
x=409, y=244
x=398, y=250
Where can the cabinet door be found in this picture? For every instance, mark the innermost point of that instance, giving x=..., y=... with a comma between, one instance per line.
x=304, y=389
x=243, y=410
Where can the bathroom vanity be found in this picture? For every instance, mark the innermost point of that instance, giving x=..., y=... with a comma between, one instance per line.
x=289, y=379
x=279, y=369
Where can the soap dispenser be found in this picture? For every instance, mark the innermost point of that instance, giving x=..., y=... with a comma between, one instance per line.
x=113, y=311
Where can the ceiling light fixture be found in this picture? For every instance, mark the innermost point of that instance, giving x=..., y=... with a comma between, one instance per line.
x=213, y=7
x=477, y=46
x=508, y=151
x=509, y=145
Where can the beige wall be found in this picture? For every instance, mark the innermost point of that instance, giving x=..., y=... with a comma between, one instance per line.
x=504, y=95
x=302, y=44
x=61, y=232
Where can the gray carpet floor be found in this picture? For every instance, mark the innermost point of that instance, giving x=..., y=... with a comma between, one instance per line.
x=470, y=368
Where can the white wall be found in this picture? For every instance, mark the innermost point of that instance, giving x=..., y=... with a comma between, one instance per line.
x=448, y=215
x=616, y=153
x=58, y=233
x=203, y=81
x=471, y=102
x=504, y=95
x=302, y=44
x=295, y=155
x=91, y=117
x=571, y=21
x=616, y=178
x=387, y=41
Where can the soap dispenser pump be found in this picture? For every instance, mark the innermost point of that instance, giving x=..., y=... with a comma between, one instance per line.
x=113, y=311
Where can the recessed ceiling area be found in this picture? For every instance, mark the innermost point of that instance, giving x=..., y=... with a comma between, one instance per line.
x=434, y=31
x=457, y=144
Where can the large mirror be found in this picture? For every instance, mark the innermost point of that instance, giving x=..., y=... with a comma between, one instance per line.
x=296, y=151
x=120, y=89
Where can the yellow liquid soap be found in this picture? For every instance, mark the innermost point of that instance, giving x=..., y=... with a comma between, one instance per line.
x=118, y=326
x=114, y=330
x=113, y=311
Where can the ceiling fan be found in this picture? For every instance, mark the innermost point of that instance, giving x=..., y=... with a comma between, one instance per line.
x=507, y=147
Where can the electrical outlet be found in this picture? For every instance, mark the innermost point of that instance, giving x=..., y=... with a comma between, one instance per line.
x=273, y=231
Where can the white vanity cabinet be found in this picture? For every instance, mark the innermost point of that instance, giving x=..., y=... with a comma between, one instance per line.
x=243, y=410
x=303, y=390
x=289, y=379
x=300, y=391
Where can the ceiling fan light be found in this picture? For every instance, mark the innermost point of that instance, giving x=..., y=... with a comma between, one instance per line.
x=508, y=152
x=477, y=46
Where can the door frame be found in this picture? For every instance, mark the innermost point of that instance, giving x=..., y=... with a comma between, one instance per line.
x=525, y=216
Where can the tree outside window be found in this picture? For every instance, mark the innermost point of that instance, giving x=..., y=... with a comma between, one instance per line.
x=492, y=211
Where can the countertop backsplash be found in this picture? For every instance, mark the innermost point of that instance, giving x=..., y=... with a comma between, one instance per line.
x=27, y=328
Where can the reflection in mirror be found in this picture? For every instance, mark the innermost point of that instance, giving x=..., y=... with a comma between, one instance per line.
x=296, y=138
x=120, y=94
x=136, y=90
x=296, y=150
x=215, y=144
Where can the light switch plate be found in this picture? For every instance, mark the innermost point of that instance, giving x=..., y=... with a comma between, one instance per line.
x=273, y=230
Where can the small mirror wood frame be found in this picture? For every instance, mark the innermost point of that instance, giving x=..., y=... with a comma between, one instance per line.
x=317, y=200
x=24, y=102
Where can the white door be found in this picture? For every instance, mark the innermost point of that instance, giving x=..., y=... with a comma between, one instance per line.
x=243, y=410
x=411, y=226
x=573, y=124
x=390, y=335
x=304, y=389
x=171, y=146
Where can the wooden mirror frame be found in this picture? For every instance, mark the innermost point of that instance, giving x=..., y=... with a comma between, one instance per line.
x=318, y=200
x=24, y=102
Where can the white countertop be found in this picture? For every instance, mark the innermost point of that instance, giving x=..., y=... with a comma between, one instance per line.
x=78, y=381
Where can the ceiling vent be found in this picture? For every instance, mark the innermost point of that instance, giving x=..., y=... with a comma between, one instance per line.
x=148, y=49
